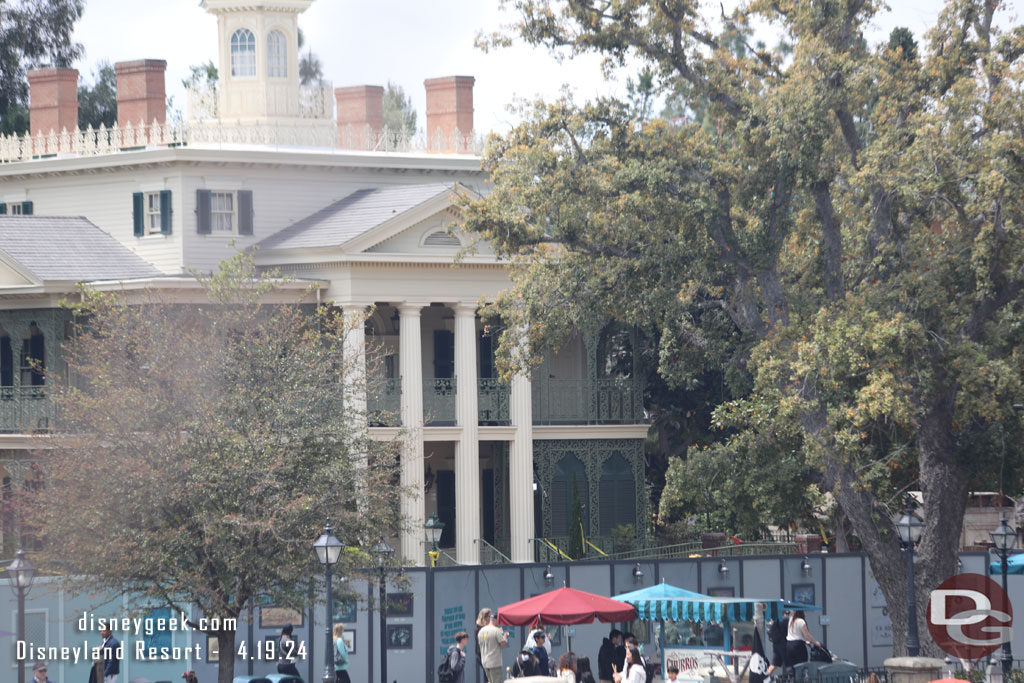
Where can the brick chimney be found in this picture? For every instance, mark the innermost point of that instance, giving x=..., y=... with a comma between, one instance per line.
x=360, y=115
x=141, y=95
x=53, y=100
x=449, y=113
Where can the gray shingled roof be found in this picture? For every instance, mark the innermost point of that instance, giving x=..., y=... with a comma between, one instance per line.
x=69, y=248
x=353, y=216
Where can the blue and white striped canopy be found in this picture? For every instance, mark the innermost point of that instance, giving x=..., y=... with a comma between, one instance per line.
x=670, y=603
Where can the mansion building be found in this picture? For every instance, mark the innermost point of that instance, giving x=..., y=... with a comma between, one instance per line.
x=308, y=176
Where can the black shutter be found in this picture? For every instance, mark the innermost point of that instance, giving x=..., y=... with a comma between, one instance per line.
x=204, y=221
x=165, y=212
x=138, y=214
x=3, y=208
x=487, y=496
x=446, y=506
x=444, y=353
x=245, y=212
x=486, y=356
x=6, y=362
x=26, y=208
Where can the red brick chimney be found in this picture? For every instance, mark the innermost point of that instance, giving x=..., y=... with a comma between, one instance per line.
x=360, y=115
x=449, y=113
x=53, y=100
x=141, y=95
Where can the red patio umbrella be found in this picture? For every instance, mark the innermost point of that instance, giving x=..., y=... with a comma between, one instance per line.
x=565, y=606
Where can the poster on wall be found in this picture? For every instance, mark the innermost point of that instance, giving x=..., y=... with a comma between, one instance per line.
x=690, y=662
x=399, y=636
x=881, y=632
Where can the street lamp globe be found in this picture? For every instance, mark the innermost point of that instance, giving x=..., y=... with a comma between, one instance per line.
x=434, y=528
x=328, y=547
x=909, y=527
x=21, y=572
x=1004, y=536
x=382, y=552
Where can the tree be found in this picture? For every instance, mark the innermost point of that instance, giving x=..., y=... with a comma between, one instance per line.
x=399, y=114
x=33, y=33
x=97, y=104
x=849, y=223
x=209, y=443
x=311, y=69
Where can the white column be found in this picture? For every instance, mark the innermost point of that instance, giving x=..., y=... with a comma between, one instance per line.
x=354, y=348
x=520, y=466
x=467, y=451
x=410, y=363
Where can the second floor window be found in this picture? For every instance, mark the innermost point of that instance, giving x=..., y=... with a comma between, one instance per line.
x=224, y=212
x=243, y=53
x=277, y=59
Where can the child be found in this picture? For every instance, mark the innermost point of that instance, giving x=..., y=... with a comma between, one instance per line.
x=673, y=672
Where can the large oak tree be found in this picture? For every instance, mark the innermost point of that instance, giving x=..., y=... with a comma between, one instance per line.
x=848, y=232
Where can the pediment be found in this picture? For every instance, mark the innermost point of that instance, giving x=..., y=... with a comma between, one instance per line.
x=435, y=235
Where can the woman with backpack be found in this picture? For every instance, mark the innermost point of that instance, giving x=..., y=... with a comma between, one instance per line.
x=340, y=655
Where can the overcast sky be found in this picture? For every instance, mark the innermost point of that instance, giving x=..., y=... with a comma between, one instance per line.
x=376, y=41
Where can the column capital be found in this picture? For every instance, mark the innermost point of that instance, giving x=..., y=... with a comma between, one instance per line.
x=464, y=309
x=408, y=308
x=355, y=306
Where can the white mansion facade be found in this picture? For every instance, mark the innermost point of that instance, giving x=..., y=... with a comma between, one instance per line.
x=265, y=163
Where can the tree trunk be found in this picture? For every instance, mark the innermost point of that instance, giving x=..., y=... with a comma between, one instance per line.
x=226, y=656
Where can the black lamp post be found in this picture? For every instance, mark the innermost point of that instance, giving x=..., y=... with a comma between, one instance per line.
x=909, y=528
x=21, y=572
x=328, y=550
x=1005, y=538
x=382, y=553
x=434, y=528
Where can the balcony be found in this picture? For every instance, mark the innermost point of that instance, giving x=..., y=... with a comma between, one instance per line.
x=587, y=401
x=25, y=409
x=384, y=403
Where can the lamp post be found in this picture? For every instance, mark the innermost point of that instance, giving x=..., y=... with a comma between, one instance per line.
x=21, y=572
x=382, y=554
x=328, y=550
x=434, y=528
x=909, y=527
x=638, y=574
x=1005, y=538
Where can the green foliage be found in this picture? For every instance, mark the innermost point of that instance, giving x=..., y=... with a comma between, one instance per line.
x=202, y=76
x=623, y=538
x=399, y=113
x=97, y=104
x=843, y=246
x=311, y=69
x=210, y=441
x=33, y=33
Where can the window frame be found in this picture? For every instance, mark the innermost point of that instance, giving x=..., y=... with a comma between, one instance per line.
x=277, y=54
x=242, y=55
x=151, y=226
x=214, y=212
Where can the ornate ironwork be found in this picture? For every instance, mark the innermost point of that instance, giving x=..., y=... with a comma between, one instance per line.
x=316, y=101
x=439, y=400
x=592, y=453
x=493, y=398
x=26, y=408
x=587, y=401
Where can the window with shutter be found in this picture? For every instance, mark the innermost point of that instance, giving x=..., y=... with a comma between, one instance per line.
x=26, y=208
x=224, y=212
x=204, y=218
x=3, y=208
x=444, y=353
x=138, y=214
x=618, y=494
x=561, y=495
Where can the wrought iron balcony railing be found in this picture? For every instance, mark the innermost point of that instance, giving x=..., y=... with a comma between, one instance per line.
x=439, y=400
x=587, y=401
x=493, y=397
x=26, y=409
x=384, y=401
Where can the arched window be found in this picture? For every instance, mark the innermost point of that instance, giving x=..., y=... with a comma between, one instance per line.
x=618, y=494
x=243, y=53
x=33, y=358
x=568, y=472
x=277, y=58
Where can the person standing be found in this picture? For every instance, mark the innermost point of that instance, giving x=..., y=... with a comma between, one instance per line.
x=110, y=651
x=490, y=639
x=542, y=654
x=636, y=671
x=797, y=637
x=286, y=652
x=606, y=655
x=340, y=655
x=457, y=655
x=39, y=673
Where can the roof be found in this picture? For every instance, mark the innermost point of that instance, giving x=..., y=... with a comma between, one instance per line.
x=68, y=248
x=355, y=215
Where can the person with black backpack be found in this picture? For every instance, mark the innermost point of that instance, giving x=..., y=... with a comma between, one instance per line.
x=454, y=664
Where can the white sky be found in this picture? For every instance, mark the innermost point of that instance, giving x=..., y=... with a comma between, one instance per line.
x=404, y=41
